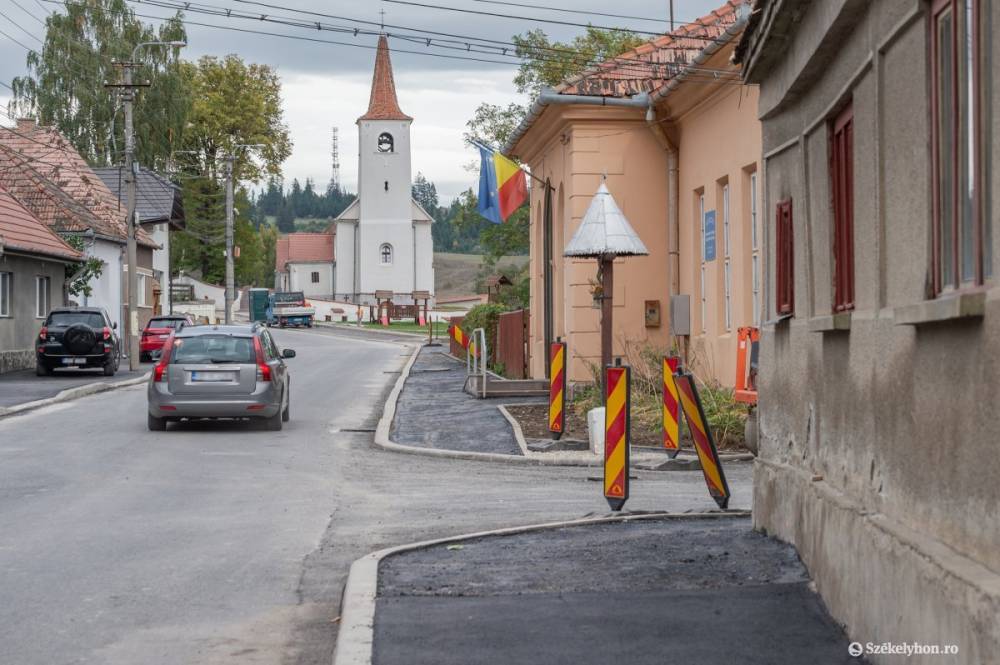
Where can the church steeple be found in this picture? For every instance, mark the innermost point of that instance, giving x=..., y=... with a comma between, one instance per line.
x=383, y=105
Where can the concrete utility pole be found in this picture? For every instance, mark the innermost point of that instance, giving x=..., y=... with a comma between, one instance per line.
x=230, y=214
x=132, y=320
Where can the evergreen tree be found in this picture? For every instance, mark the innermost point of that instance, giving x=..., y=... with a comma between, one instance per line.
x=286, y=218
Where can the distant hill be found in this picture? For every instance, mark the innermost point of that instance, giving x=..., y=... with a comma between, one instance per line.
x=455, y=274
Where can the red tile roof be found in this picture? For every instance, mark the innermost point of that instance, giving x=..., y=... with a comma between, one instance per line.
x=649, y=66
x=53, y=158
x=20, y=230
x=383, y=104
x=303, y=248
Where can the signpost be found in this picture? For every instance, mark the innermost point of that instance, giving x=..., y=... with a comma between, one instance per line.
x=708, y=454
x=708, y=248
x=557, y=389
x=617, y=432
x=671, y=407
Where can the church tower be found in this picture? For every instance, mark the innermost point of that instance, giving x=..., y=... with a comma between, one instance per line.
x=384, y=238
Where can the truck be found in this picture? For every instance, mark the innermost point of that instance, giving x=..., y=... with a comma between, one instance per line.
x=289, y=308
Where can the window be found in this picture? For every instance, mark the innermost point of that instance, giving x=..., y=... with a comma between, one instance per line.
x=704, y=301
x=385, y=253
x=842, y=190
x=784, y=266
x=315, y=277
x=728, y=295
x=385, y=142
x=961, y=228
x=704, y=304
x=41, y=297
x=727, y=283
x=725, y=220
x=701, y=217
x=754, y=250
x=5, y=281
x=140, y=290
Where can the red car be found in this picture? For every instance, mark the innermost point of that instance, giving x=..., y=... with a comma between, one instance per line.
x=158, y=330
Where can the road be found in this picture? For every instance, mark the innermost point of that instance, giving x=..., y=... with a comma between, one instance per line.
x=223, y=543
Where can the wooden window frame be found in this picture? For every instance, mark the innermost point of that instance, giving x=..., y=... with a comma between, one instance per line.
x=940, y=226
x=784, y=259
x=841, y=160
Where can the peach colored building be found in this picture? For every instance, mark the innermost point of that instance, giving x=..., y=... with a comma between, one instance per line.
x=677, y=135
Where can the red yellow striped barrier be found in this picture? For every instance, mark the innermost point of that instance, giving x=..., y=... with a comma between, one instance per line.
x=671, y=407
x=461, y=338
x=557, y=389
x=708, y=454
x=617, y=398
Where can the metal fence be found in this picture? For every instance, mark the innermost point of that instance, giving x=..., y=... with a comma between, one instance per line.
x=512, y=344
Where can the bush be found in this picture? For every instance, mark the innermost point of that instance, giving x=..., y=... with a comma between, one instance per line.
x=487, y=317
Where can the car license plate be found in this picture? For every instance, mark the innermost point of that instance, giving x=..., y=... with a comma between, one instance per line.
x=74, y=361
x=211, y=376
x=164, y=336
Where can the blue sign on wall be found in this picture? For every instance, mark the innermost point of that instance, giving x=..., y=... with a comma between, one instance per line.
x=708, y=236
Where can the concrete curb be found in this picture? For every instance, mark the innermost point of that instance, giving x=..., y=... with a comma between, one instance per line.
x=356, y=635
x=71, y=394
x=375, y=331
x=529, y=458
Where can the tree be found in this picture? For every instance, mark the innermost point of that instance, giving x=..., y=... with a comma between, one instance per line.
x=546, y=63
x=286, y=218
x=79, y=275
x=235, y=103
x=64, y=86
x=425, y=193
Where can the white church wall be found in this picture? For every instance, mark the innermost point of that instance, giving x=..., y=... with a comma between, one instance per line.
x=378, y=168
x=343, y=281
x=424, y=247
x=301, y=276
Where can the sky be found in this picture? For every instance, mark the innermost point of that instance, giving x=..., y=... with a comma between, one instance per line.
x=326, y=85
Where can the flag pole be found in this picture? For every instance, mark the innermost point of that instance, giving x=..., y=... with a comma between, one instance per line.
x=527, y=172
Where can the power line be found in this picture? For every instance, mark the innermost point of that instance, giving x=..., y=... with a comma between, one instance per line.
x=21, y=7
x=570, y=11
x=536, y=19
x=17, y=25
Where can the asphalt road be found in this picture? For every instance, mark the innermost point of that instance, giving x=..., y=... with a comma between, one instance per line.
x=223, y=543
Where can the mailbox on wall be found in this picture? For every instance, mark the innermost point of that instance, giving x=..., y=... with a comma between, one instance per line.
x=652, y=310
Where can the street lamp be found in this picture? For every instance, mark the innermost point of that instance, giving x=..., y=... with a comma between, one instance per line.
x=132, y=322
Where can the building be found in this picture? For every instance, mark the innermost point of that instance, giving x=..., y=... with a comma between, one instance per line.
x=45, y=174
x=304, y=262
x=160, y=208
x=33, y=262
x=677, y=135
x=383, y=239
x=878, y=354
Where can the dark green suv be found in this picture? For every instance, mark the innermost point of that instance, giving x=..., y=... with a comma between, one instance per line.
x=77, y=337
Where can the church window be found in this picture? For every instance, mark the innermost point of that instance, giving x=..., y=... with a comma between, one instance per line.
x=385, y=142
x=385, y=252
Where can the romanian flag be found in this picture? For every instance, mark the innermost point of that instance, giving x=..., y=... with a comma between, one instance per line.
x=502, y=186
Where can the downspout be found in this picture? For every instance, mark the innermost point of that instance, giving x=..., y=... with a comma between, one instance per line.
x=673, y=203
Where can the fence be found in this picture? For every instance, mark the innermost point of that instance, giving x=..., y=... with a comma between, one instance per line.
x=512, y=344
x=454, y=347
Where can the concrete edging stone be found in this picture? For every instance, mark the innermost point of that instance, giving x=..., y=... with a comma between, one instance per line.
x=70, y=394
x=356, y=635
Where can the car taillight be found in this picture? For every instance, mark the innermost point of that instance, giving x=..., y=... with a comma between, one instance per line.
x=43, y=333
x=263, y=370
x=159, y=372
x=107, y=333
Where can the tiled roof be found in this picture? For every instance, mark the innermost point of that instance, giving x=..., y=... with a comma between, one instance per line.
x=55, y=159
x=383, y=104
x=157, y=199
x=303, y=248
x=661, y=58
x=20, y=230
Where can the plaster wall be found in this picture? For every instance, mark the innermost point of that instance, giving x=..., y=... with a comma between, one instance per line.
x=300, y=278
x=19, y=328
x=106, y=290
x=877, y=442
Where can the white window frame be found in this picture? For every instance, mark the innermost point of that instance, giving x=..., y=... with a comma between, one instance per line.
x=754, y=250
x=728, y=293
x=701, y=215
x=755, y=262
x=6, y=278
x=753, y=212
x=725, y=219
x=43, y=286
x=381, y=254
x=140, y=290
x=704, y=302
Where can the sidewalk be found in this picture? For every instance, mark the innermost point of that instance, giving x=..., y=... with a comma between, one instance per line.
x=22, y=386
x=683, y=590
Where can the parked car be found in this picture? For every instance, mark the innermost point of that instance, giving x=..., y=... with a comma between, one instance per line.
x=158, y=330
x=77, y=337
x=220, y=372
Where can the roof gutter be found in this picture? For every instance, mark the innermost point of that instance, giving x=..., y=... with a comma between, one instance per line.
x=549, y=96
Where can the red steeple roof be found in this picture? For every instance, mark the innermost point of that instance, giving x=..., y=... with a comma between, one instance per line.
x=383, y=104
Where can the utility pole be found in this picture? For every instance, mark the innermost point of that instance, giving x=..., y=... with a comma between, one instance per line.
x=229, y=160
x=128, y=96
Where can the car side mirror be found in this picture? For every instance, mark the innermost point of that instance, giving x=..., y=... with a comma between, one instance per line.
x=288, y=353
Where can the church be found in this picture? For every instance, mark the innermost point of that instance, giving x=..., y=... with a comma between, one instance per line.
x=383, y=239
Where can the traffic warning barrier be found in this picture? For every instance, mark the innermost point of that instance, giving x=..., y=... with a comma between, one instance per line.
x=617, y=426
x=461, y=338
x=671, y=407
x=701, y=434
x=557, y=389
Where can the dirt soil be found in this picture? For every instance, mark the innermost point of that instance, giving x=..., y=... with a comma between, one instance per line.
x=534, y=421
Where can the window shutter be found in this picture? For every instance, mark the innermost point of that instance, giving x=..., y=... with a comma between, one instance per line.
x=784, y=260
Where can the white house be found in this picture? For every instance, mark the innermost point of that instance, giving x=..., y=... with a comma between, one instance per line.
x=383, y=239
x=304, y=262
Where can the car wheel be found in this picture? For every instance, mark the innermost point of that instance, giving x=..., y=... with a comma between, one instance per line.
x=41, y=369
x=286, y=415
x=110, y=367
x=156, y=424
x=144, y=357
x=273, y=423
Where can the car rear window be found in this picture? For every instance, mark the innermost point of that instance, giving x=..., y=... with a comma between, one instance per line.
x=213, y=349
x=92, y=319
x=174, y=324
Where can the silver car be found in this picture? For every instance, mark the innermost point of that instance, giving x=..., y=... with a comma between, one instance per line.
x=220, y=372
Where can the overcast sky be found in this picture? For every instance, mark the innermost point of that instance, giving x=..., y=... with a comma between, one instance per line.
x=326, y=85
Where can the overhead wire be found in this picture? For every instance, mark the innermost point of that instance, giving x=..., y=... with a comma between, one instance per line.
x=582, y=12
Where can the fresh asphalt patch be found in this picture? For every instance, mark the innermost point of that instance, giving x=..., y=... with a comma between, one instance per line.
x=664, y=591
